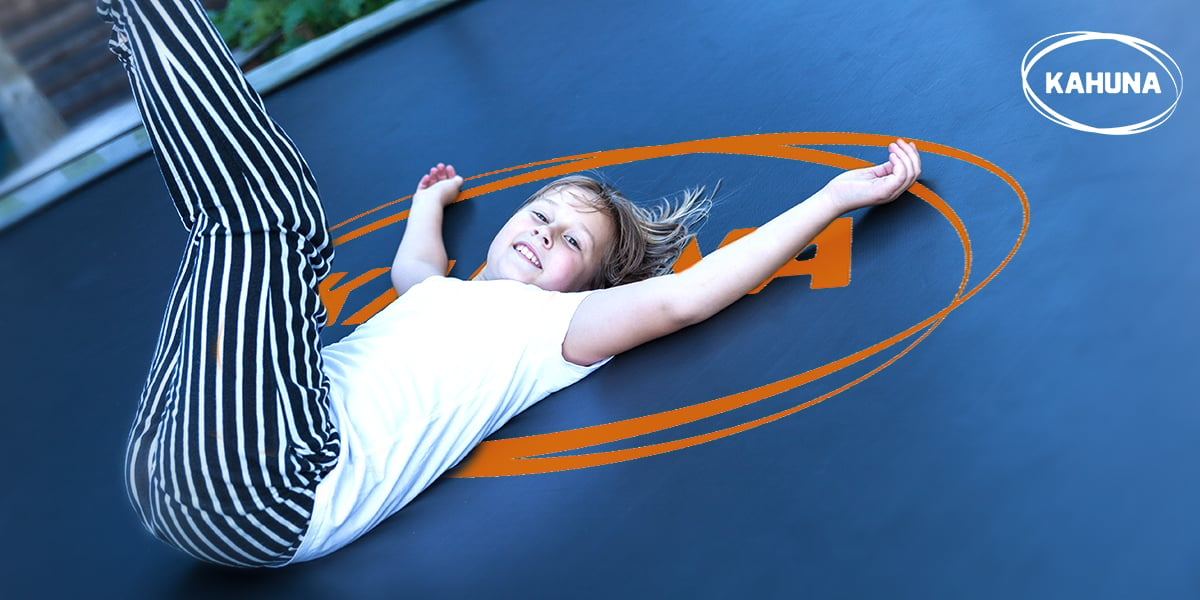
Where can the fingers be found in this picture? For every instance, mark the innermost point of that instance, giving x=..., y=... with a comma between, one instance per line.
x=905, y=153
x=906, y=165
x=897, y=158
x=899, y=168
x=882, y=170
x=916, y=159
x=441, y=172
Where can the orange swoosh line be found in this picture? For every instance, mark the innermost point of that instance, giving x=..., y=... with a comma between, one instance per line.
x=526, y=455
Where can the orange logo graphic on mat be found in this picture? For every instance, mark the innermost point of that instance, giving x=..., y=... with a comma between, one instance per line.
x=829, y=267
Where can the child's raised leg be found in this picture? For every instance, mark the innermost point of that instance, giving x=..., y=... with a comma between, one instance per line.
x=233, y=430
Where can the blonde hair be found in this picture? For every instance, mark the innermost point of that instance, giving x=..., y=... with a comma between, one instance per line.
x=647, y=241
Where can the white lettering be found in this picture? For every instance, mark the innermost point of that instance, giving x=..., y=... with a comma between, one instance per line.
x=1103, y=83
x=1074, y=84
x=1052, y=85
x=1112, y=83
x=1131, y=82
x=1151, y=83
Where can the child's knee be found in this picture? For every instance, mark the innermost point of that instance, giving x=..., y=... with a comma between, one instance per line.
x=118, y=40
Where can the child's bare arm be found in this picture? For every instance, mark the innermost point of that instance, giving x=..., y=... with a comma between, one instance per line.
x=614, y=320
x=422, y=252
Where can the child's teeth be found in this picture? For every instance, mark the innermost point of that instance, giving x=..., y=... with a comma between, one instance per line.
x=527, y=253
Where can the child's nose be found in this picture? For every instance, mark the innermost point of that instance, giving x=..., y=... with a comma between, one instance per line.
x=543, y=234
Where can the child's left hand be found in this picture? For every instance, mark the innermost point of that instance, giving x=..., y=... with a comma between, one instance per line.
x=876, y=185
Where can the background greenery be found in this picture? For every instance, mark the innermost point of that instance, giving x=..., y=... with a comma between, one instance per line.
x=285, y=24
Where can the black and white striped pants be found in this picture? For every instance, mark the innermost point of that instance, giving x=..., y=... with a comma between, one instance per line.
x=233, y=430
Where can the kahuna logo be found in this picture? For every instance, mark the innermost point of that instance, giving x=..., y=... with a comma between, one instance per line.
x=1113, y=73
x=828, y=268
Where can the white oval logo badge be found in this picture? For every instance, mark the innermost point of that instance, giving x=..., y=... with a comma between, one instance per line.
x=1101, y=77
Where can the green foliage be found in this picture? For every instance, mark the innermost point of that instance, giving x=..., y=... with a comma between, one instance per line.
x=248, y=23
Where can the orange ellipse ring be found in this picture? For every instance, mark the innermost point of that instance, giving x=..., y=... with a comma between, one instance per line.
x=528, y=455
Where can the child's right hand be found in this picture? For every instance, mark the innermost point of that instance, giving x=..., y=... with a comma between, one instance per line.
x=422, y=251
x=876, y=185
x=440, y=186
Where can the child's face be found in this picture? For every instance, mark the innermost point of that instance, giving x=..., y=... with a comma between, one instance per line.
x=555, y=242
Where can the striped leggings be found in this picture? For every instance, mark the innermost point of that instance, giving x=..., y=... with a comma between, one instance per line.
x=233, y=430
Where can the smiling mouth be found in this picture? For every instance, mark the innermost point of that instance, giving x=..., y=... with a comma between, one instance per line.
x=527, y=253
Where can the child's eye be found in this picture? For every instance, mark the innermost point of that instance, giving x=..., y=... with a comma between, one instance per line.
x=572, y=241
x=539, y=216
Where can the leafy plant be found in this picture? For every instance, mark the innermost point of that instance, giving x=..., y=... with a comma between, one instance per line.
x=285, y=24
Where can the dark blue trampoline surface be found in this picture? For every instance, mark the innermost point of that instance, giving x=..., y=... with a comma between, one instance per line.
x=1041, y=442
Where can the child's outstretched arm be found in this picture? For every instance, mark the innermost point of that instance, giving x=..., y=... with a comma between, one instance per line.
x=613, y=320
x=422, y=252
